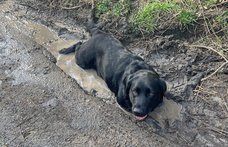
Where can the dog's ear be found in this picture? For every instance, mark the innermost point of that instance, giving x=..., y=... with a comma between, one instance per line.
x=122, y=95
x=163, y=86
x=123, y=98
x=128, y=81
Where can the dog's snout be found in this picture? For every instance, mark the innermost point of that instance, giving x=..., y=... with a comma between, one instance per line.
x=137, y=111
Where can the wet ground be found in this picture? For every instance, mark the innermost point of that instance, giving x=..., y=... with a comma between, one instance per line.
x=42, y=105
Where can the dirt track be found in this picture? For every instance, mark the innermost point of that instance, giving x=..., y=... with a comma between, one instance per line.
x=42, y=106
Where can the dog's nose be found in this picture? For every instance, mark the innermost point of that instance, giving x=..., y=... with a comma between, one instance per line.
x=137, y=111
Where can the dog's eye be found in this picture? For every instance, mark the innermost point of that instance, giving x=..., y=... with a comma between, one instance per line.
x=135, y=92
x=151, y=94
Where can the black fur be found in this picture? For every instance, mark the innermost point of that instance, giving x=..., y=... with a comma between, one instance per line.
x=136, y=85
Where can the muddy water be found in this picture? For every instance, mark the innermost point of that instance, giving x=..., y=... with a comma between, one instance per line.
x=87, y=79
x=170, y=111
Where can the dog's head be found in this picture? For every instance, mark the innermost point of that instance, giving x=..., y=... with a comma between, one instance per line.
x=145, y=91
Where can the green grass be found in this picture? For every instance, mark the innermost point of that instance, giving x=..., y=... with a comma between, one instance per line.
x=104, y=6
x=118, y=9
x=186, y=18
x=208, y=3
x=122, y=8
x=222, y=18
x=147, y=17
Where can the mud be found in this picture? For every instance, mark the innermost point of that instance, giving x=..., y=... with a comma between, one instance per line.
x=202, y=121
x=87, y=79
x=42, y=106
x=168, y=113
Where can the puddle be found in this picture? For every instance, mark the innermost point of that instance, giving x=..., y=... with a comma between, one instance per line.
x=87, y=79
x=170, y=111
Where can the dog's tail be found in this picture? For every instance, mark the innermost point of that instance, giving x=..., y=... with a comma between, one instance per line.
x=92, y=27
x=70, y=49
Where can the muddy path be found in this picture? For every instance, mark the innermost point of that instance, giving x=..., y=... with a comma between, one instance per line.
x=29, y=34
x=40, y=105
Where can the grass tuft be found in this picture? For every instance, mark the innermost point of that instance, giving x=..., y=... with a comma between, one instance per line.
x=186, y=18
x=145, y=18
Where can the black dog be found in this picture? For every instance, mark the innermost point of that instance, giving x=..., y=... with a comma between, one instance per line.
x=135, y=83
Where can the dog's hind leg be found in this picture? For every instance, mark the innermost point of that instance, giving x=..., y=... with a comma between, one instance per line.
x=70, y=49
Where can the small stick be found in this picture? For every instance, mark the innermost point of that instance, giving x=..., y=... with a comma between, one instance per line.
x=215, y=71
x=31, y=101
x=205, y=92
x=183, y=138
x=69, y=8
x=223, y=132
x=210, y=48
x=192, y=142
x=27, y=119
x=197, y=94
x=215, y=5
x=92, y=4
x=62, y=40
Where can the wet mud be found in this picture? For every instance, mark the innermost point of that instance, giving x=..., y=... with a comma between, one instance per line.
x=181, y=66
x=87, y=79
x=42, y=106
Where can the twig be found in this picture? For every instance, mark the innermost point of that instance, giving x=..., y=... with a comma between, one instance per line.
x=210, y=48
x=142, y=33
x=31, y=101
x=218, y=130
x=92, y=4
x=224, y=109
x=193, y=141
x=27, y=5
x=197, y=95
x=215, y=5
x=215, y=71
x=183, y=138
x=27, y=119
x=205, y=92
x=171, y=20
x=212, y=34
x=70, y=8
x=192, y=144
x=62, y=39
x=223, y=132
x=15, y=138
x=204, y=19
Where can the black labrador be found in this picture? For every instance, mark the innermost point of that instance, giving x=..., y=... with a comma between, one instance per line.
x=136, y=85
